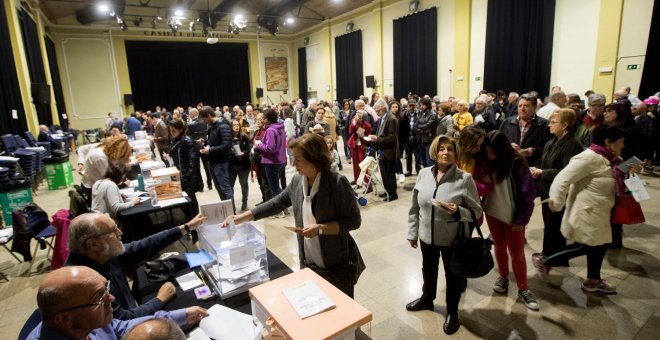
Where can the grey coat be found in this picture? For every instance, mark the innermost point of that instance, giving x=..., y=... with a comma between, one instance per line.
x=455, y=186
x=335, y=201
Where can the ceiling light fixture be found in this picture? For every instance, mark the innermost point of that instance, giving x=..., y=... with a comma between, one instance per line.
x=137, y=21
x=240, y=21
x=104, y=8
x=413, y=6
x=178, y=12
x=290, y=20
x=191, y=26
x=154, y=24
x=174, y=24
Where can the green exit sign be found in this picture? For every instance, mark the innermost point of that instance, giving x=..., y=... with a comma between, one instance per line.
x=635, y=67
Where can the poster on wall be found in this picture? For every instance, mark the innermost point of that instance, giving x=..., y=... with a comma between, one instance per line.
x=277, y=74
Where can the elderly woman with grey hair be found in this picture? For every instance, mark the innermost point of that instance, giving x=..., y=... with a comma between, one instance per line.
x=358, y=128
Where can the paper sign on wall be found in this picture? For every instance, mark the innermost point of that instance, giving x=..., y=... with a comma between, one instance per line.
x=14, y=114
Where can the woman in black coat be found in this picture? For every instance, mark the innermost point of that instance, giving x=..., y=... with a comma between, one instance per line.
x=239, y=165
x=185, y=157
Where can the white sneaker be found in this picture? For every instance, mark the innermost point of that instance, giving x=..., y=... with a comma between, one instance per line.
x=402, y=178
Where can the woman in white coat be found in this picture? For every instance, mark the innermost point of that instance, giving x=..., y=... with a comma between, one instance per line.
x=444, y=199
x=586, y=187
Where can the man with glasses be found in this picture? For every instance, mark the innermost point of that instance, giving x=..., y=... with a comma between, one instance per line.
x=95, y=242
x=75, y=303
x=593, y=115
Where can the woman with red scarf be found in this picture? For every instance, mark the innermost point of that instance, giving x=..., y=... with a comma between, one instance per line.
x=358, y=128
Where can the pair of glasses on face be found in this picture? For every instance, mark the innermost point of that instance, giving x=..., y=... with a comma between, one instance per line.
x=100, y=302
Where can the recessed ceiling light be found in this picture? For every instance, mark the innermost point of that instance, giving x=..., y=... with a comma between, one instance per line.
x=178, y=13
x=289, y=20
x=104, y=8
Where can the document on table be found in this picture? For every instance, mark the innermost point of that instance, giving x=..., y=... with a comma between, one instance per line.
x=225, y=324
x=173, y=201
x=308, y=299
x=189, y=281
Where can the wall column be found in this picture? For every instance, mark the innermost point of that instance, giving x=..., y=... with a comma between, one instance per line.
x=607, y=46
x=44, y=55
x=462, y=39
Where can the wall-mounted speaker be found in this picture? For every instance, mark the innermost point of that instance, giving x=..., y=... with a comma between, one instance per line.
x=41, y=93
x=260, y=92
x=371, y=82
x=128, y=99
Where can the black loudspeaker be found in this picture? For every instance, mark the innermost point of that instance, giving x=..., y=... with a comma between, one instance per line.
x=371, y=82
x=41, y=93
x=128, y=99
x=260, y=92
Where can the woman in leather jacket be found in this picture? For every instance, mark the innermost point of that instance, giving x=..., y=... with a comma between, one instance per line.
x=239, y=165
x=185, y=157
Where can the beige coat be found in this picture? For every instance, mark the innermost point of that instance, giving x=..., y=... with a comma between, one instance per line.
x=586, y=187
x=332, y=123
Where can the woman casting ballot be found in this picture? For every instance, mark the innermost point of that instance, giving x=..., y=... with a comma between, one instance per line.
x=325, y=210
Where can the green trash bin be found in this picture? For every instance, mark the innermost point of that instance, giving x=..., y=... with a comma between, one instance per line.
x=59, y=175
x=13, y=200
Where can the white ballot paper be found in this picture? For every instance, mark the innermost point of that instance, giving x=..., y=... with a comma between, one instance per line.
x=308, y=299
x=225, y=324
x=189, y=281
x=216, y=212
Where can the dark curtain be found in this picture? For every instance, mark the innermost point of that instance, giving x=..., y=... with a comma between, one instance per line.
x=302, y=74
x=173, y=74
x=519, y=45
x=35, y=62
x=348, y=56
x=10, y=93
x=650, y=84
x=416, y=54
x=57, y=83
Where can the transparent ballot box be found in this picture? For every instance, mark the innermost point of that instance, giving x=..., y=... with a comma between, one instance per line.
x=240, y=260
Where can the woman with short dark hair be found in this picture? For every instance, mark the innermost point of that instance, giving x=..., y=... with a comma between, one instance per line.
x=185, y=157
x=239, y=165
x=324, y=209
x=106, y=197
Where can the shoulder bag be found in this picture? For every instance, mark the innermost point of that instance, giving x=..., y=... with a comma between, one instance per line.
x=472, y=257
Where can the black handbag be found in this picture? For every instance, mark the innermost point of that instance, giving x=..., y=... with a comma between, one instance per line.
x=472, y=257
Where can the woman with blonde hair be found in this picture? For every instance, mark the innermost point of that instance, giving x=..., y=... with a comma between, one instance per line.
x=95, y=162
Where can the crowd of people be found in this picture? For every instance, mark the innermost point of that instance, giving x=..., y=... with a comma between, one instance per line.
x=493, y=157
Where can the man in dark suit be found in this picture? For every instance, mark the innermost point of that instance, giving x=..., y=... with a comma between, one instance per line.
x=386, y=141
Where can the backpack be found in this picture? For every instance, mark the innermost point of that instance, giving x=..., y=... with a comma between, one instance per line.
x=78, y=202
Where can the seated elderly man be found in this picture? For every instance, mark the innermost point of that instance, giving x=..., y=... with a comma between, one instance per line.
x=75, y=303
x=95, y=242
x=44, y=136
x=156, y=329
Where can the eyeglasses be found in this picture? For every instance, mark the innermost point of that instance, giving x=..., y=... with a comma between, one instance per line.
x=100, y=302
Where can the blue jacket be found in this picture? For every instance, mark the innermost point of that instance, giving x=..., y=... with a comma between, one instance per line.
x=132, y=125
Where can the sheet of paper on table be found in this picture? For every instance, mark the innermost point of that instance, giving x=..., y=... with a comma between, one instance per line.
x=224, y=323
x=173, y=201
x=308, y=299
x=189, y=281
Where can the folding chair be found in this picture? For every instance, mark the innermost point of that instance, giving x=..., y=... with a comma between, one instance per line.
x=44, y=240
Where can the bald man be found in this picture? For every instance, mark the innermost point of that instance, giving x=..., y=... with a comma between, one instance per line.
x=75, y=303
x=95, y=242
x=44, y=136
x=156, y=329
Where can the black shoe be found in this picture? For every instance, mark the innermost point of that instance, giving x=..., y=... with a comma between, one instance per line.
x=451, y=325
x=408, y=174
x=352, y=183
x=340, y=167
x=420, y=304
x=383, y=195
x=210, y=186
x=391, y=198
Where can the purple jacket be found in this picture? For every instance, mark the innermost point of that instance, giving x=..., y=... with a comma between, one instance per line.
x=273, y=146
x=524, y=193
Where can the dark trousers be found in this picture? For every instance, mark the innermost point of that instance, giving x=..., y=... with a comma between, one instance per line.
x=424, y=154
x=553, y=240
x=263, y=183
x=221, y=177
x=238, y=171
x=595, y=256
x=411, y=150
x=617, y=235
x=339, y=277
x=455, y=284
x=193, y=198
x=273, y=173
x=347, y=150
x=388, y=173
x=205, y=162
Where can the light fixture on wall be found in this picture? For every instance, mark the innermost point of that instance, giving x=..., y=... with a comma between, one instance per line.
x=174, y=24
x=414, y=6
x=350, y=26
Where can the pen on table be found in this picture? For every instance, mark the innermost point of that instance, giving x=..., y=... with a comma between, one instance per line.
x=201, y=278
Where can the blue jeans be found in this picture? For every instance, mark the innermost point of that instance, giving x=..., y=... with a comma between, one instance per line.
x=424, y=150
x=273, y=172
x=220, y=172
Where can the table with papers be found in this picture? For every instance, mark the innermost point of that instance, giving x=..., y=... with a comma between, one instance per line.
x=145, y=219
